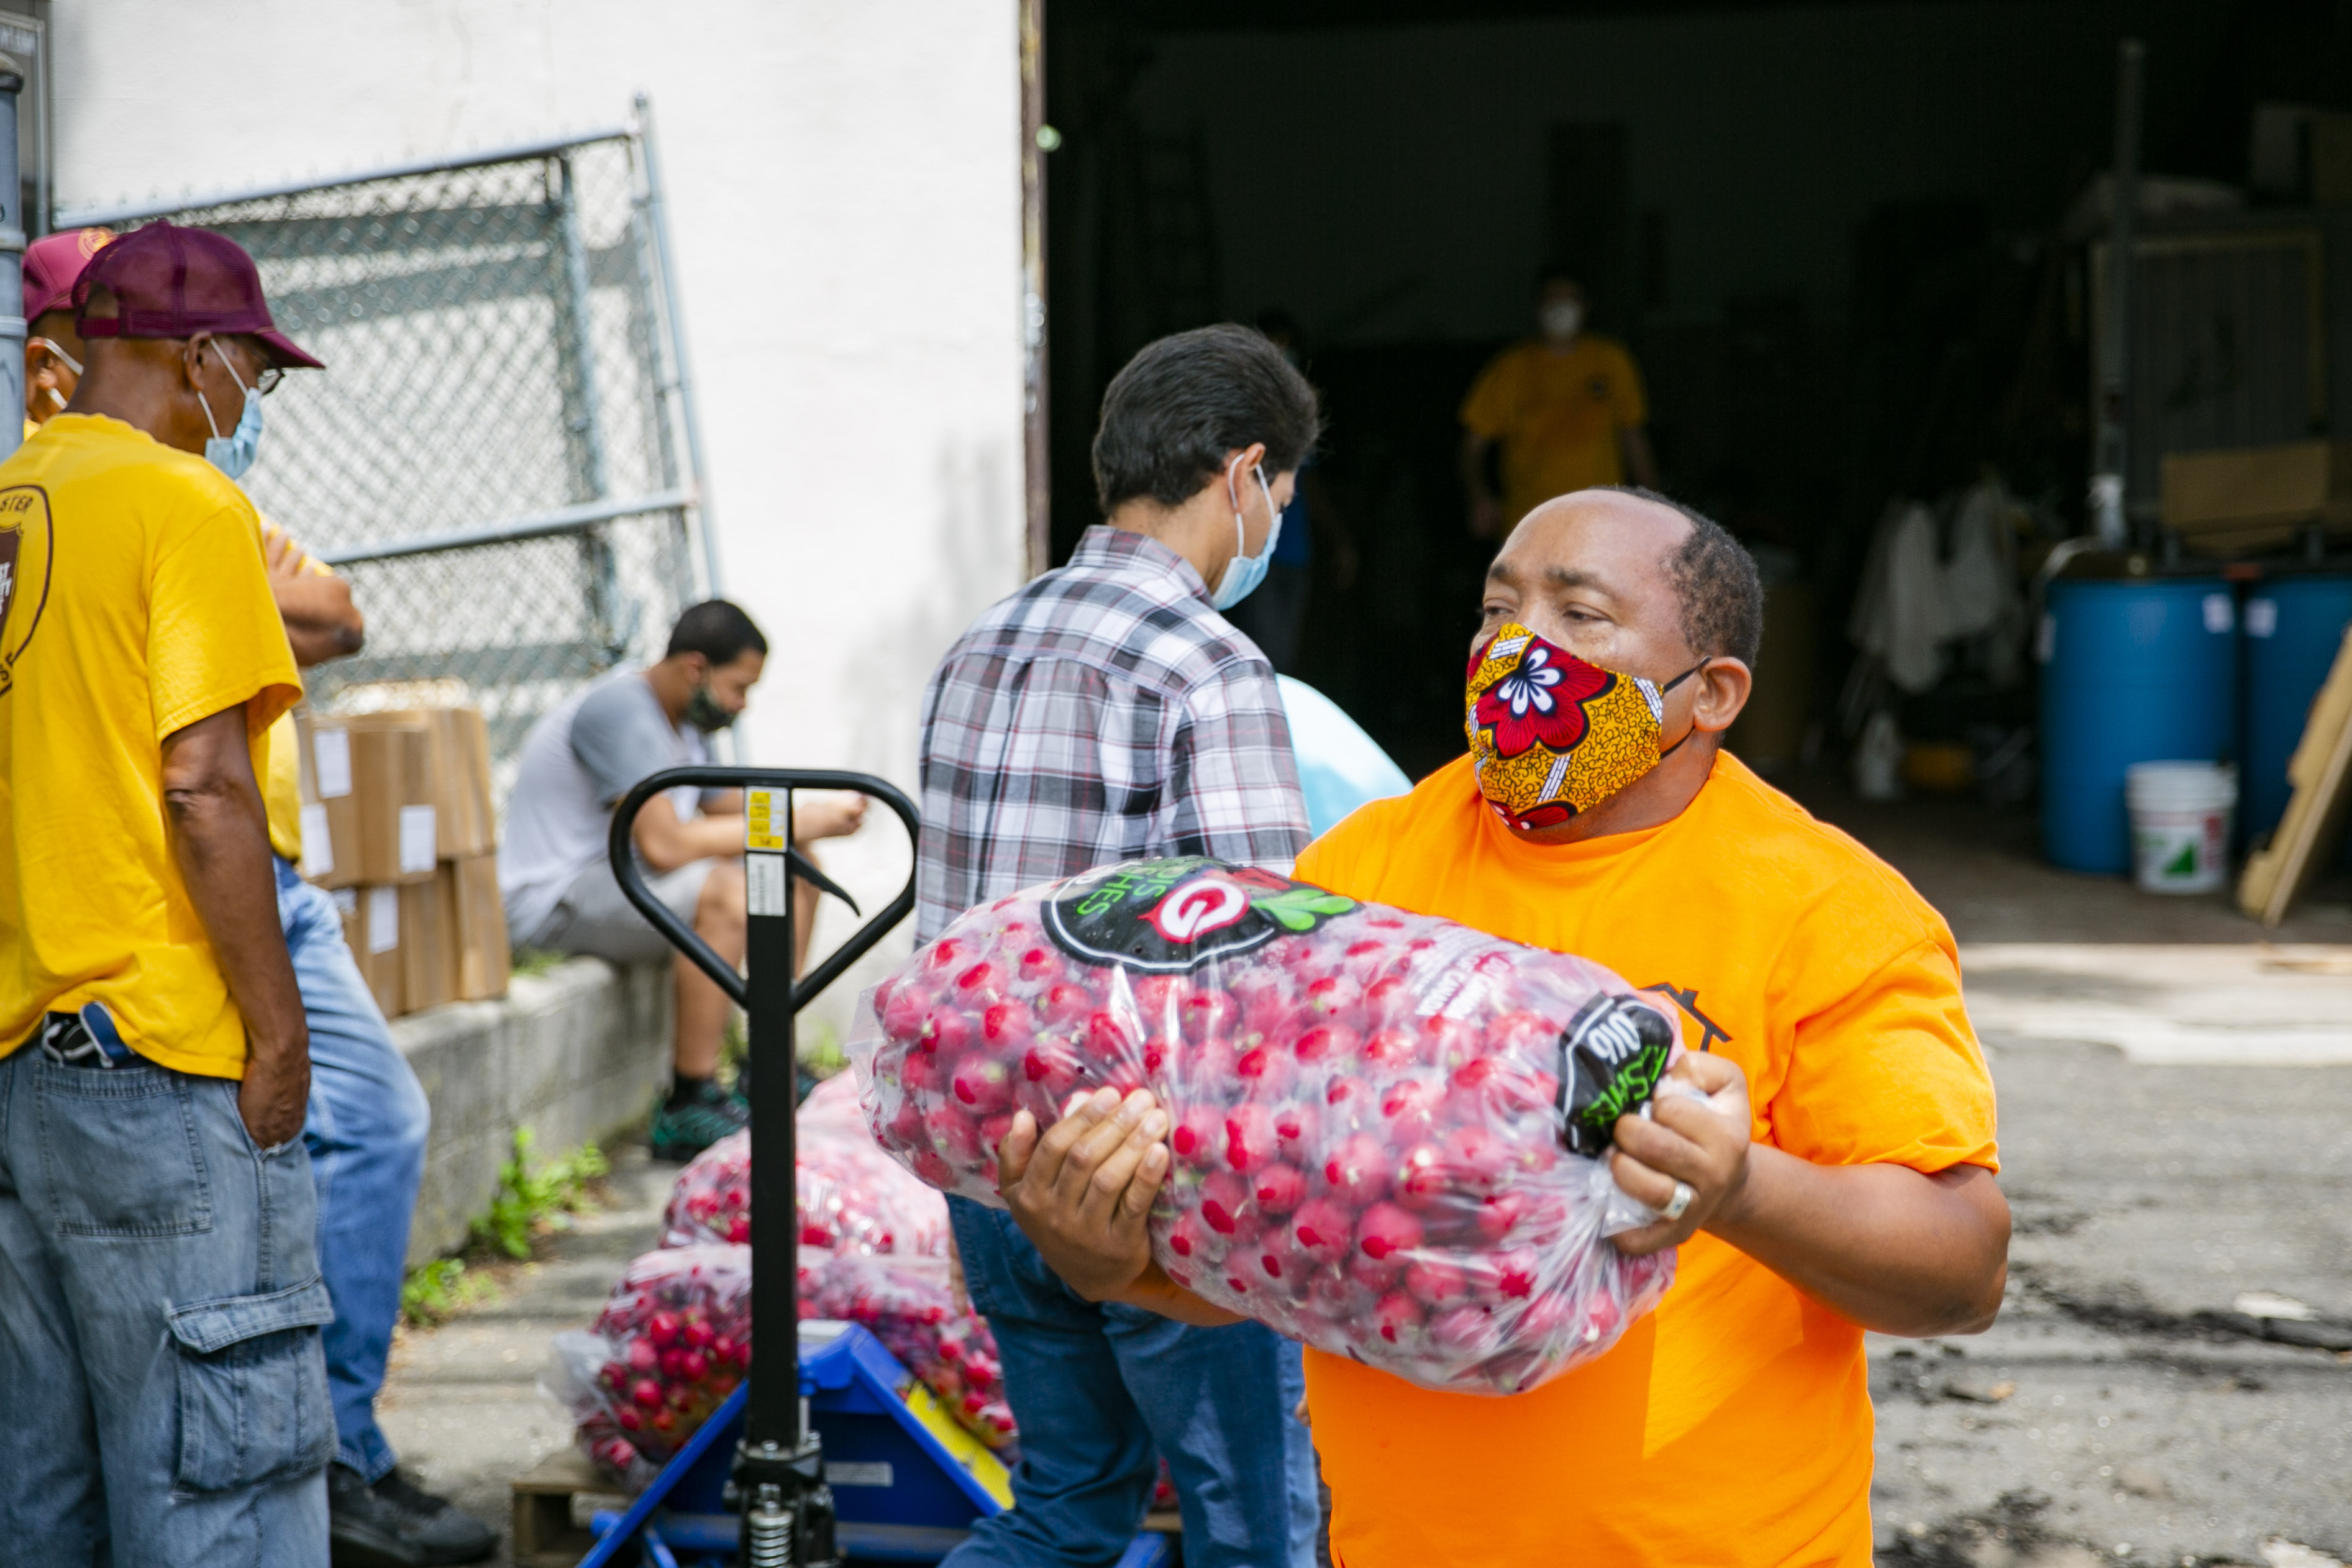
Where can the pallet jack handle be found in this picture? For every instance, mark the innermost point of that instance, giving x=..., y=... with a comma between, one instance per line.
x=779, y=1470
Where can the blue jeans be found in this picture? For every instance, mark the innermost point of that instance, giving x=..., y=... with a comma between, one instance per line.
x=365, y=1130
x=159, y=1306
x=1100, y=1391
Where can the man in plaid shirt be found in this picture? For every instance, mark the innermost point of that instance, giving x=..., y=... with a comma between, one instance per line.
x=1105, y=712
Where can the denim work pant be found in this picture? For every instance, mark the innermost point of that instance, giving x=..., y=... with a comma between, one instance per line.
x=365, y=1130
x=1098, y=1389
x=160, y=1304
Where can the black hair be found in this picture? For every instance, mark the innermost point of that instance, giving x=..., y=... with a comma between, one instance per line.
x=1182, y=404
x=1552, y=272
x=1715, y=578
x=718, y=631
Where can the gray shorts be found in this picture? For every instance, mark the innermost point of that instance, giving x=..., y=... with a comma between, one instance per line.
x=595, y=917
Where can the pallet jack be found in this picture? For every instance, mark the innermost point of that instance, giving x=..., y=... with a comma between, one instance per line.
x=766, y=1501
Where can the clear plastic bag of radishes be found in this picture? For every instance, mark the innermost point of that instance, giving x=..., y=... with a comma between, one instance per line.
x=913, y=1312
x=1387, y=1126
x=673, y=1341
x=853, y=1197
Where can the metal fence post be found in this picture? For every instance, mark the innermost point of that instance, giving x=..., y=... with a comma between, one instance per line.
x=12, y=264
x=658, y=220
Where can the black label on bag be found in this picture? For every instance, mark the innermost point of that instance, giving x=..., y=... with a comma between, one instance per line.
x=1611, y=1055
x=1170, y=917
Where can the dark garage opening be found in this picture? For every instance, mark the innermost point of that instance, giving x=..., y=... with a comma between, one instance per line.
x=1847, y=245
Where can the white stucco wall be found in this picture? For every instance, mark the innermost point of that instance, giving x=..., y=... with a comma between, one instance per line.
x=845, y=197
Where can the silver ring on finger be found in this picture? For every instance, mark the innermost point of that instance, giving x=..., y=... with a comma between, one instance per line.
x=1681, y=1200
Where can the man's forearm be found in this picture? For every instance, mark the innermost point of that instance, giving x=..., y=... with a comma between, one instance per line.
x=666, y=846
x=1895, y=1251
x=1155, y=1292
x=322, y=622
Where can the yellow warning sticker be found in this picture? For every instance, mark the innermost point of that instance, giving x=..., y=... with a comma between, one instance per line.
x=766, y=825
x=969, y=1451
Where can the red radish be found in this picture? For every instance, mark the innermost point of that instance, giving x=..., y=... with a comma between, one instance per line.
x=1387, y=1230
x=1224, y=1204
x=1249, y=1136
x=1278, y=1189
x=1065, y=1004
x=1198, y=1136
x=1397, y=1319
x=1421, y=1179
x=1323, y=1228
x=1356, y=1171
x=1267, y=1072
x=1333, y=1043
x=982, y=1084
x=1297, y=1128
x=1435, y=1284
x=1040, y=963
x=1008, y=1027
x=979, y=986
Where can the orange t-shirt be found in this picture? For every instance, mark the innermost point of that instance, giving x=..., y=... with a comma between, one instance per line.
x=1733, y=1425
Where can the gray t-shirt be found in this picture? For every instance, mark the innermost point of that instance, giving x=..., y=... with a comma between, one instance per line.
x=577, y=762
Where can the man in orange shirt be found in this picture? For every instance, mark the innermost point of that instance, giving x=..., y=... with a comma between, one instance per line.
x=1566, y=407
x=1837, y=1178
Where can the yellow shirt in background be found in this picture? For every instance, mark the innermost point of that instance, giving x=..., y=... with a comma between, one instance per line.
x=135, y=603
x=281, y=782
x=1556, y=416
x=1732, y=1426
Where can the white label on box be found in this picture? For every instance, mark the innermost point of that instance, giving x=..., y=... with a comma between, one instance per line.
x=318, y=844
x=2261, y=617
x=2217, y=615
x=418, y=835
x=330, y=760
x=858, y=1473
x=382, y=918
x=765, y=883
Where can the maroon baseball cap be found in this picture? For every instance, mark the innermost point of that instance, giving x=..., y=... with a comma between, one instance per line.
x=174, y=282
x=52, y=263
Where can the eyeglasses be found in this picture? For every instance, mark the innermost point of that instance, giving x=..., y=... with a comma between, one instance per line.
x=263, y=384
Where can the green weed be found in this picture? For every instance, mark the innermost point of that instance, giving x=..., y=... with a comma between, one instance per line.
x=441, y=1289
x=535, y=960
x=531, y=1201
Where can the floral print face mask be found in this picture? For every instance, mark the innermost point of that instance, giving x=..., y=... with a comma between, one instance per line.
x=1551, y=735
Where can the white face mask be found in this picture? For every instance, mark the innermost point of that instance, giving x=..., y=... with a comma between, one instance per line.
x=1561, y=319
x=65, y=359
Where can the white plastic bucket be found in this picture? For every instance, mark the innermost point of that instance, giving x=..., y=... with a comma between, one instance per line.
x=2180, y=814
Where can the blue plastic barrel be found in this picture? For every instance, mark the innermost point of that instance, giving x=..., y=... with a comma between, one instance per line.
x=2134, y=671
x=2294, y=626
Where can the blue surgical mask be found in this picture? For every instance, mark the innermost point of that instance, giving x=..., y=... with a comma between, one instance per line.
x=1243, y=573
x=234, y=453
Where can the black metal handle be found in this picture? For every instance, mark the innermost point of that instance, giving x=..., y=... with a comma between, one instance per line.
x=619, y=847
x=779, y=1464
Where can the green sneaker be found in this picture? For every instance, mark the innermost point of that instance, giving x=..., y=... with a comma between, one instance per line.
x=682, y=1129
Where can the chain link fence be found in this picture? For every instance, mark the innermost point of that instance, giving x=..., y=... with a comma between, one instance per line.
x=500, y=455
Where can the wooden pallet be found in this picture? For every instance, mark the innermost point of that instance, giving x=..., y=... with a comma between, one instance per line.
x=552, y=1502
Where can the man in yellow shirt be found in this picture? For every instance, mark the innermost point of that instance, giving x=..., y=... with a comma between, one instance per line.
x=1837, y=1177
x=160, y=1298
x=1566, y=408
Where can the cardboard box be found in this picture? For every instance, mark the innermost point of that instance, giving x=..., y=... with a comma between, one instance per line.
x=391, y=776
x=372, y=929
x=460, y=769
x=2253, y=497
x=330, y=819
x=428, y=946
x=484, y=962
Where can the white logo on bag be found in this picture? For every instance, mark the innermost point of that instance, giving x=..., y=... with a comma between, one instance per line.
x=1199, y=907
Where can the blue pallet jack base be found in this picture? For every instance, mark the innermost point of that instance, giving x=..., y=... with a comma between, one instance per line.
x=901, y=1495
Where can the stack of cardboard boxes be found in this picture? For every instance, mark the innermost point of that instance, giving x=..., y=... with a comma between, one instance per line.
x=397, y=823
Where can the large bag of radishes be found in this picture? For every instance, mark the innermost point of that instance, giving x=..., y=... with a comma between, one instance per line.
x=1388, y=1127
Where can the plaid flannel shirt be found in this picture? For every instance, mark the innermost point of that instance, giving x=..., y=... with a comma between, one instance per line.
x=1104, y=712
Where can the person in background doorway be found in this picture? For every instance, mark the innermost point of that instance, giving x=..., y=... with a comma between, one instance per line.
x=159, y=1296
x=1109, y=711
x=560, y=891
x=53, y=350
x=1274, y=616
x=1565, y=407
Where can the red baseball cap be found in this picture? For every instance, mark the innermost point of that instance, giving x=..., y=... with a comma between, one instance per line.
x=174, y=282
x=52, y=263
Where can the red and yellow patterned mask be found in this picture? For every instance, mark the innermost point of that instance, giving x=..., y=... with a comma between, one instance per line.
x=1551, y=735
